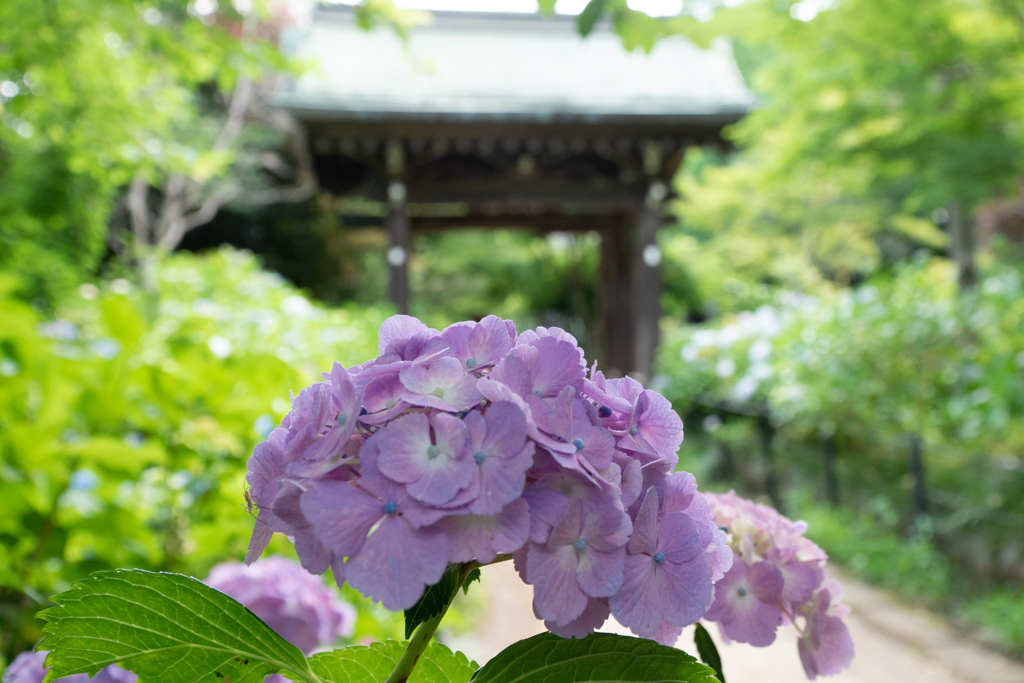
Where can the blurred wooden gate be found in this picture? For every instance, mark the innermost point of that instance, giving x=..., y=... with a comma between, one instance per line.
x=498, y=120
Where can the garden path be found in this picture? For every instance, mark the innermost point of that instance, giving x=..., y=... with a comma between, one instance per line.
x=894, y=642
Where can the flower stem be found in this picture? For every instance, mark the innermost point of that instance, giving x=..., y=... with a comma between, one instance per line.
x=421, y=638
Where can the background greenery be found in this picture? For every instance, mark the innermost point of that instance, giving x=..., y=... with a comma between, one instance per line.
x=807, y=290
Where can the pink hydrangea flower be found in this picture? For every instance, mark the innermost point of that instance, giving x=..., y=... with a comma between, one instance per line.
x=288, y=599
x=778, y=577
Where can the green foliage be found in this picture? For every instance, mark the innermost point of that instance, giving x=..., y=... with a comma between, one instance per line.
x=1001, y=616
x=866, y=368
x=869, y=545
x=106, y=89
x=163, y=627
x=126, y=423
x=434, y=601
x=598, y=657
x=872, y=119
x=169, y=628
x=373, y=664
x=591, y=14
x=707, y=650
x=471, y=577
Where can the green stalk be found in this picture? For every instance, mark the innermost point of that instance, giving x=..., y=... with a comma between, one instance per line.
x=424, y=632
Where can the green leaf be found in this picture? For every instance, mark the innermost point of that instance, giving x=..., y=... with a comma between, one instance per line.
x=600, y=657
x=707, y=651
x=591, y=14
x=546, y=6
x=433, y=602
x=473, y=575
x=373, y=664
x=167, y=628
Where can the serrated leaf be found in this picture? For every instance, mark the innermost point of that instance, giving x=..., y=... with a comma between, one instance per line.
x=167, y=628
x=591, y=14
x=598, y=658
x=374, y=663
x=707, y=651
x=473, y=575
x=435, y=599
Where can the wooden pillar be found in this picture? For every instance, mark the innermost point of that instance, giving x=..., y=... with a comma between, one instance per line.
x=646, y=283
x=961, y=247
x=829, y=462
x=398, y=227
x=614, y=296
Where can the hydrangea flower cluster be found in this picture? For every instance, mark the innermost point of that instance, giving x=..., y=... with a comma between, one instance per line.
x=778, y=577
x=477, y=442
x=290, y=600
x=29, y=667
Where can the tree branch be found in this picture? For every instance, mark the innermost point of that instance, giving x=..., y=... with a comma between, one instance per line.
x=210, y=206
x=138, y=208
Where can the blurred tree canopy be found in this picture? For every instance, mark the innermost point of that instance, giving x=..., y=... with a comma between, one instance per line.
x=875, y=118
x=128, y=124
x=93, y=92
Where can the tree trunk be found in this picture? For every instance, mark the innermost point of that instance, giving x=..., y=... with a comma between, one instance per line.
x=961, y=247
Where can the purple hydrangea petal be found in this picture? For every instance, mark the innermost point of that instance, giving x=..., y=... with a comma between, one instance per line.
x=433, y=472
x=658, y=428
x=265, y=467
x=315, y=558
x=533, y=338
x=826, y=647
x=296, y=604
x=638, y=604
x=669, y=581
x=600, y=573
x=512, y=373
x=398, y=562
x=484, y=537
x=478, y=345
x=383, y=393
x=557, y=596
x=593, y=617
x=499, y=447
x=444, y=385
x=800, y=579
x=495, y=391
x=28, y=667
x=746, y=603
x=547, y=507
x=645, y=527
x=632, y=480
x=606, y=528
x=679, y=539
x=327, y=502
x=552, y=364
x=258, y=541
x=667, y=634
x=398, y=328
x=688, y=590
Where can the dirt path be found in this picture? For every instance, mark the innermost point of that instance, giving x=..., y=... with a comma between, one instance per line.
x=894, y=643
